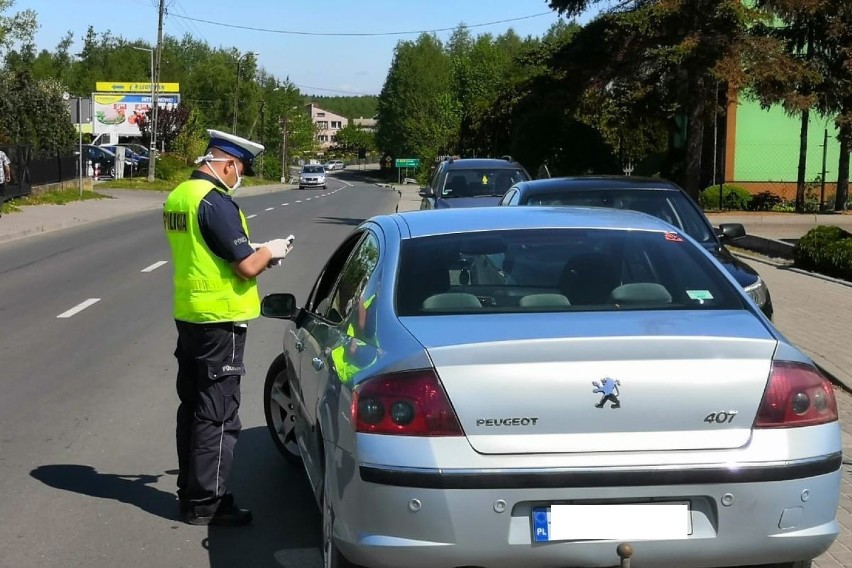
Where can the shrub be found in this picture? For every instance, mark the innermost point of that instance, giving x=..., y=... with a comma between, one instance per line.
x=764, y=201
x=170, y=167
x=817, y=250
x=734, y=197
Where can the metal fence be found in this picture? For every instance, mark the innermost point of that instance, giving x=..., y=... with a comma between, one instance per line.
x=28, y=171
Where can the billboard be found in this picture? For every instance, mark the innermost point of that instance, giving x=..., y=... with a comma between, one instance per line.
x=117, y=113
x=121, y=87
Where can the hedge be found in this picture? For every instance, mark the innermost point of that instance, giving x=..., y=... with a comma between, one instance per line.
x=825, y=249
x=734, y=197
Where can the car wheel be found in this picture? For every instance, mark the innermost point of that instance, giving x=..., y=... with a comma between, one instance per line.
x=280, y=408
x=325, y=187
x=112, y=171
x=331, y=556
x=301, y=187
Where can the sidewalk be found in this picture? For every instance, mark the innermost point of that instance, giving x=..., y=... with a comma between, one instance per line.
x=35, y=219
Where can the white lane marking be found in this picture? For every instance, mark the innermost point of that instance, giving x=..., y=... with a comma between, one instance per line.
x=79, y=308
x=346, y=182
x=299, y=201
x=251, y=216
x=284, y=204
x=154, y=266
x=309, y=198
x=269, y=208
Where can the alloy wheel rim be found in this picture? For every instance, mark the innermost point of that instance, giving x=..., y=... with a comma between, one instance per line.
x=283, y=408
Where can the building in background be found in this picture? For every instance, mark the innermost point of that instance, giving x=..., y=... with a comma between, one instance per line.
x=761, y=151
x=366, y=124
x=326, y=124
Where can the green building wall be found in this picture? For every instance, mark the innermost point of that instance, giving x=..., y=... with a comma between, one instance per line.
x=765, y=148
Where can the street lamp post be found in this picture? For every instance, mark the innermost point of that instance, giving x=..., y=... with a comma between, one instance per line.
x=237, y=90
x=152, y=140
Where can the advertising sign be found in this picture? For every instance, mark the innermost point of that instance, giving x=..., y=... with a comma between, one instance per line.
x=119, y=87
x=119, y=113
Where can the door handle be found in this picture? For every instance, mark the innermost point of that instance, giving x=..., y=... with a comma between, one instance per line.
x=317, y=363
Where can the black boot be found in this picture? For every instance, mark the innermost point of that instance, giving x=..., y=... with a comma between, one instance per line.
x=227, y=514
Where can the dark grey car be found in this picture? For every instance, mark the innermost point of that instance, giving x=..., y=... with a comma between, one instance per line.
x=654, y=196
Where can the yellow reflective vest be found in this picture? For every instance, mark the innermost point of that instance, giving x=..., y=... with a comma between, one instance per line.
x=207, y=290
x=345, y=361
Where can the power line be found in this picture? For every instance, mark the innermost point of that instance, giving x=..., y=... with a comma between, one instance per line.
x=354, y=34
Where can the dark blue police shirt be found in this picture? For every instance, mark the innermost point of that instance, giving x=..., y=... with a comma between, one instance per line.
x=219, y=221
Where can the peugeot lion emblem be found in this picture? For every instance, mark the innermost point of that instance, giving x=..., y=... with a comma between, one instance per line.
x=608, y=388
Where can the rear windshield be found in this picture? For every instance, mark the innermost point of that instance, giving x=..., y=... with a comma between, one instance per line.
x=313, y=170
x=671, y=206
x=481, y=182
x=549, y=270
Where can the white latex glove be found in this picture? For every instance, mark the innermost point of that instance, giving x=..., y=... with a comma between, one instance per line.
x=279, y=248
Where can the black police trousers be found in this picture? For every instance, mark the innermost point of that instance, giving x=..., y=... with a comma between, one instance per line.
x=210, y=366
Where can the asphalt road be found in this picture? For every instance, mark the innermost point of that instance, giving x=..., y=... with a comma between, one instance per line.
x=87, y=411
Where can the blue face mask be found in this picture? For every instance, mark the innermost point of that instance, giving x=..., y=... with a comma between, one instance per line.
x=209, y=158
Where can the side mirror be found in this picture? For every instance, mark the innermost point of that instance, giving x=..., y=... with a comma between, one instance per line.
x=426, y=192
x=731, y=231
x=279, y=306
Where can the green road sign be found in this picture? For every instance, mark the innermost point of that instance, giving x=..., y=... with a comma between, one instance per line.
x=407, y=162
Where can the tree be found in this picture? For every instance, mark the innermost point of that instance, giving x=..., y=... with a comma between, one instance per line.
x=350, y=139
x=171, y=122
x=418, y=115
x=670, y=54
x=33, y=113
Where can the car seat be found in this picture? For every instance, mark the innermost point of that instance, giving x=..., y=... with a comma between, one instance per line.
x=588, y=279
x=458, y=185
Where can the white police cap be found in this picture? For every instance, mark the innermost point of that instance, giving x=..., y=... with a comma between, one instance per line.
x=245, y=150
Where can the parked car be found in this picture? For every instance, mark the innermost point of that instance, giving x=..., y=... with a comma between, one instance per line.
x=104, y=157
x=137, y=160
x=334, y=165
x=653, y=196
x=312, y=176
x=470, y=182
x=526, y=386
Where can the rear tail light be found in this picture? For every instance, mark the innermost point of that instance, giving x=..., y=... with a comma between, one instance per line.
x=405, y=404
x=797, y=395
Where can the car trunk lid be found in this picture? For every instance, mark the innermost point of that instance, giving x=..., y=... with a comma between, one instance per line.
x=562, y=383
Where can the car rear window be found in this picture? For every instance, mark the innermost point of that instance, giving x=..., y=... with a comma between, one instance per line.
x=536, y=270
x=671, y=206
x=481, y=182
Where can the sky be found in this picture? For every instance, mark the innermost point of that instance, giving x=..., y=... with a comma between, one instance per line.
x=318, y=65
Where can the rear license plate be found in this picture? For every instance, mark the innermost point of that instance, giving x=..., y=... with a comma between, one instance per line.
x=641, y=521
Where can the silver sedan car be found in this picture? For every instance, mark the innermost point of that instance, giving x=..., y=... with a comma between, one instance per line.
x=533, y=387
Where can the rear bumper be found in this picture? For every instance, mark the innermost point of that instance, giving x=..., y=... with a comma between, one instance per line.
x=480, y=522
x=609, y=477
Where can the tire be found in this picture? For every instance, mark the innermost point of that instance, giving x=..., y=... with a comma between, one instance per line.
x=279, y=407
x=325, y=187
x=331, y=556
x=301, y=187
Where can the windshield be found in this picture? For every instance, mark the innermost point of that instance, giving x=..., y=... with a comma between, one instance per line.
x=313, y=170
x=558, y=270
x=671, y=206
x=481, y=182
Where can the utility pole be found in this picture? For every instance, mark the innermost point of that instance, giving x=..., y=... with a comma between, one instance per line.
x=152, y=158
x=285, y=169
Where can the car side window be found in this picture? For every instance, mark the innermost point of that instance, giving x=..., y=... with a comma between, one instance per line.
x=320, y=297
x=507, y=199
x=353, y=279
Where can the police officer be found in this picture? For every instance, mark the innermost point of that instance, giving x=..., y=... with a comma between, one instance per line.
x=215, y=295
